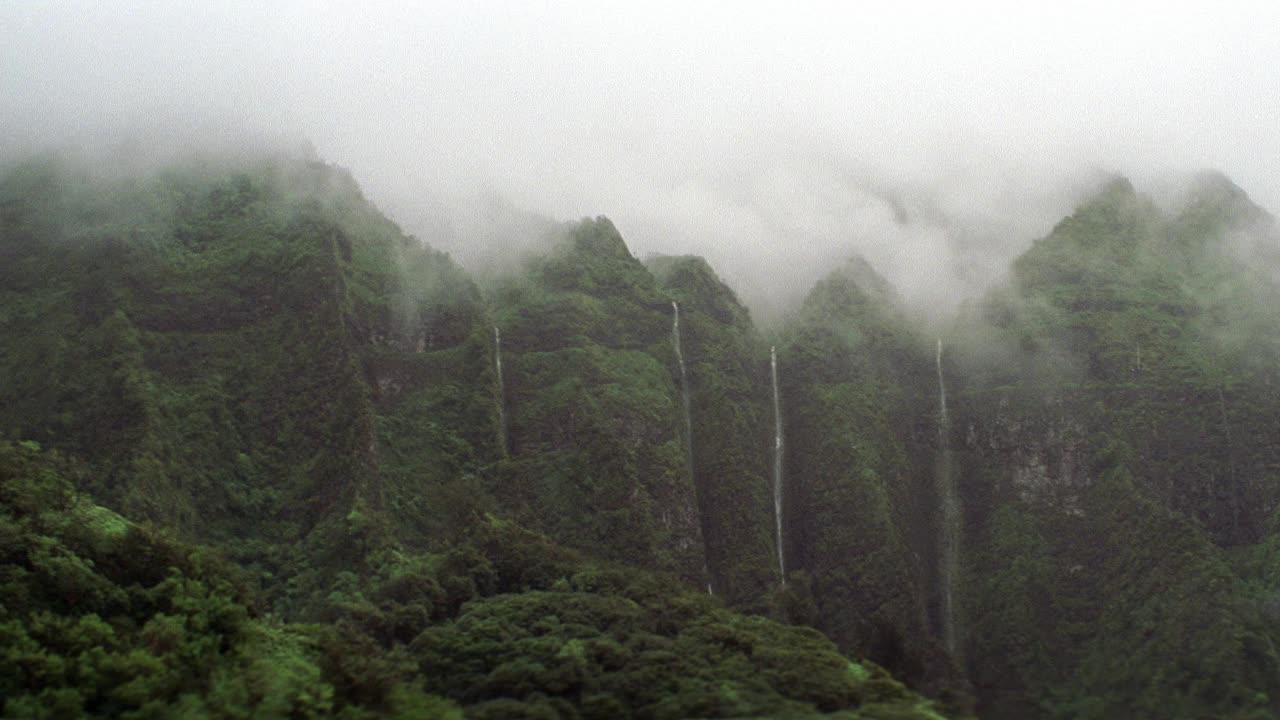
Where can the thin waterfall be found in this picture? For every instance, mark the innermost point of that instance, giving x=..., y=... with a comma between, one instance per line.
x=949, y=517
x=942, y=395
x=502, y=391
x=684, y=386
x=688, y=422
x=777, y=464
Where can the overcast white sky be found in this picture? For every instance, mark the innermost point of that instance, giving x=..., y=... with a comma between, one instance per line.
x=937, y=139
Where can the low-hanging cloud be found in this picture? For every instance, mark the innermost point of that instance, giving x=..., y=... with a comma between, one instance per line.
x=937, y=140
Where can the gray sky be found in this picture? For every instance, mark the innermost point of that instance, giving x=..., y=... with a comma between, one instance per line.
x=937, y=139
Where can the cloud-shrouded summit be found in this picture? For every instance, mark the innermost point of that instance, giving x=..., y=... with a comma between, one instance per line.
x=936, y=140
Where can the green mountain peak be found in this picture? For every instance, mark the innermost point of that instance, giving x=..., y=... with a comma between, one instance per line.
x=261, y=450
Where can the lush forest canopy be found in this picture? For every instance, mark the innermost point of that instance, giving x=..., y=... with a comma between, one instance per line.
x=264, y=455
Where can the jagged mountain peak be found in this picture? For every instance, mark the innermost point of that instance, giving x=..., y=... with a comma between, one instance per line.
x=1114, y=218
x=854, y=286
x=594, y=259
x=1210, y=182
x=598, y=236
x=1116, y=187
x=1212, y=205
x=286, y=374
x=691, y=279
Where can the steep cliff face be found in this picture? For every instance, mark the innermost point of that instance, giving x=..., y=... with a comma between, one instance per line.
x=731, y=422
x=1113, y=431
x=596, y=440
x=427, y=359
x=167, y=305
x=1111, y=610
x=861, y=515
x=228, y=344
x=249, y=356
x=1151, y=328
x=1065, y=505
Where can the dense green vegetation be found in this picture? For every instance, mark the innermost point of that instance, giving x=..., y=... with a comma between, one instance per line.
x=597, y=454
x=1119, y=441
x=106, y=618
x=257, y=459
x=859, y=405
x=731, y=421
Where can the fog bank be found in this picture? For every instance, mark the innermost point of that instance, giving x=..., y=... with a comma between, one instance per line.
x=937, y=140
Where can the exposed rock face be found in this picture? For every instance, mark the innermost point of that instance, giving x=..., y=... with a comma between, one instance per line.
x=1040, y=448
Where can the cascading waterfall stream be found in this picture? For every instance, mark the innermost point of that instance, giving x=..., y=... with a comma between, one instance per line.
x=777, y=464
x=942, y=393
x=949, y=512
x=688, y=421
x=502, y=391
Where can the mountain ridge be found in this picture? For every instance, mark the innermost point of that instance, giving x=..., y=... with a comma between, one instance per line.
x=257, y=361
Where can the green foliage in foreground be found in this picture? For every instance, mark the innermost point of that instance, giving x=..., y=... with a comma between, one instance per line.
x=102, y=617
x=105, y=618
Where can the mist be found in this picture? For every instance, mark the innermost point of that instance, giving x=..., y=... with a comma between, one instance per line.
x=937, y=141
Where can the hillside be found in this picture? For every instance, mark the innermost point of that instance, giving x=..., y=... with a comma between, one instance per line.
x=261, y=449
x=1116, y=434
